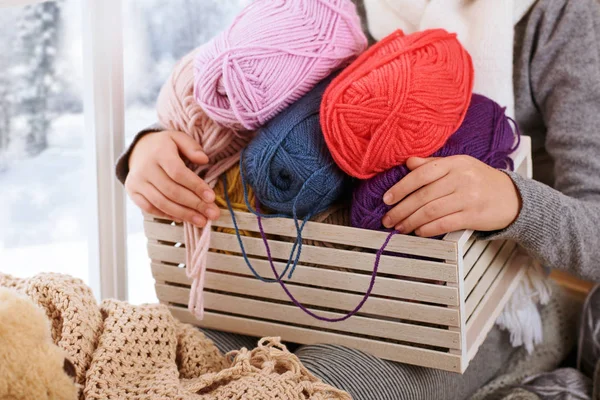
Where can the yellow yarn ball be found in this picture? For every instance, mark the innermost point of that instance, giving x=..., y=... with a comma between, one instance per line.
x=236, y=197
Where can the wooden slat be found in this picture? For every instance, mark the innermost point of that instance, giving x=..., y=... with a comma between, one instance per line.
x=396, y=288
x=254, y=287
x=342, y=301
x=389, y=351
x=468, y=245
x=461, y=238
x=400, y=266
x=522, y=158
x=490, y=307
x=482, y=264
x=162, y=231
x=488, y=277
x=329, y=279
x=339, y=258
x=345, y=235
x=460, y=286
x=473, y=255
x=166, y=253
x=292, y=314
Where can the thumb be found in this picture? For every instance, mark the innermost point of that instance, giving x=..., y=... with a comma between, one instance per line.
x=189, y=148
x=415, y=162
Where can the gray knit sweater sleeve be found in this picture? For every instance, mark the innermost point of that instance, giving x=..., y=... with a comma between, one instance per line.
x=560, y=226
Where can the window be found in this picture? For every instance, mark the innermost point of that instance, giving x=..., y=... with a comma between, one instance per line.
x=77, y=84
x=152, y=45
x=43, y=205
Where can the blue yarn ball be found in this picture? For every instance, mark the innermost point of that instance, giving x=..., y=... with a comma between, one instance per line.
x=288, y=164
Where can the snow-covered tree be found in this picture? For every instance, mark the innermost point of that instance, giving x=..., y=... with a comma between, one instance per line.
x=6, y=79
x=175, y=27
x=38, y=40
x=5, y=113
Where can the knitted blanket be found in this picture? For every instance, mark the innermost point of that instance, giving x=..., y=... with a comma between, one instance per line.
x=121, y=351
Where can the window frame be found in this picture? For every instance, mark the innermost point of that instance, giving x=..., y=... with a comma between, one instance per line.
x=104, y=116
x=18, y=3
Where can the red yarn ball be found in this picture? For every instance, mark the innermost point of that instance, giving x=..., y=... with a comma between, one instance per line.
x=402, y=98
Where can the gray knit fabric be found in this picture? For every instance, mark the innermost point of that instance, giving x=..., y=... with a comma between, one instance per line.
x=368, y=378
x=560, y=384
x=588, y=354
x=557, y=97
x=227, y=342
x=557, y=89
x=521, y=394
x=559, y=320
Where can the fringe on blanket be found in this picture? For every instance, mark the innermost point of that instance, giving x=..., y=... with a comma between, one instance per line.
x=521, y=315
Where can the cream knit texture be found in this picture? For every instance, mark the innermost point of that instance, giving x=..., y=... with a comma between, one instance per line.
x=122, y=351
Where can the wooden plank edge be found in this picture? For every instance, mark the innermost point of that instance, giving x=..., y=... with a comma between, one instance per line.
x=410, y=310
x=489, y=308
x=328, y=257
x=489, y=276
x=389, y=351
x=345, y=235
x=276, y=312
x=440, y=295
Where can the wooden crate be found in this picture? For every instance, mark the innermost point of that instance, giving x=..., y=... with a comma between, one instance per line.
x=433, y=308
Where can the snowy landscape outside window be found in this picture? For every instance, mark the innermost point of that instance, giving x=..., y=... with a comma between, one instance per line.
x=157, y=34
x=44, y=208
x=42, y=203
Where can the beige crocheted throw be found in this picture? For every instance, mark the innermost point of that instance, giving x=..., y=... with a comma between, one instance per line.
x=122, y=351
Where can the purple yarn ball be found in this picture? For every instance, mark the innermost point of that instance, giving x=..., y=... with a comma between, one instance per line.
x=485, y=134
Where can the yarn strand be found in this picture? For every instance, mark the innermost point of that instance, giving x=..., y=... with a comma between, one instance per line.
x=178, y=111
x=298, y=243
x=241, y=243
x=306, y=310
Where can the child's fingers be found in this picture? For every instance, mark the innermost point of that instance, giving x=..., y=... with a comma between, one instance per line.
x=167, y=206
x=447, y=224
x=440, y=188
x=175, y=168
x=143, y=203
x=428, y=173
x=415, y=162
x=189, y=148
x=181, y=195
x=430, y=212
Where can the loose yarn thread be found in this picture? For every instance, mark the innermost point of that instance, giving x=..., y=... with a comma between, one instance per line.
x=403, y=97
x=297, y=244
x=177, y=110
x=239, y=236
x=290, y=170
x=279, y=276
x=337, y=214
x=520, y=316
x=485, y=134
x=306, y=310
x=273, y=53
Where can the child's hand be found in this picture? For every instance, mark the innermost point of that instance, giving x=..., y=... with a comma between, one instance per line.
x=160, y=183
x=443, y=195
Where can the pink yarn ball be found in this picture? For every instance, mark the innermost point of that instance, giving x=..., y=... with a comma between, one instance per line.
x=273, y=53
